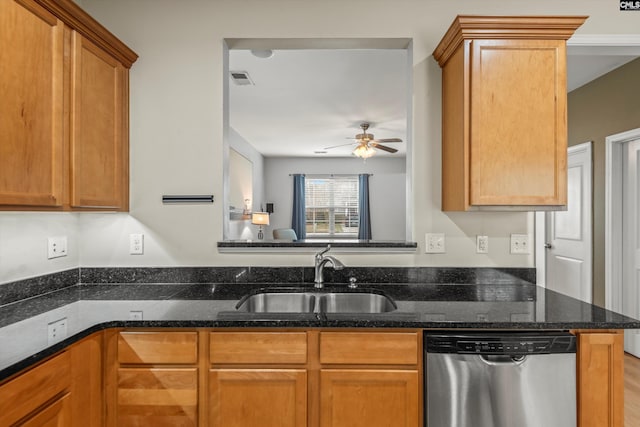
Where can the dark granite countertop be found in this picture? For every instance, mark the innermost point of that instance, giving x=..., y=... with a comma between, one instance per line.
x=92, y=307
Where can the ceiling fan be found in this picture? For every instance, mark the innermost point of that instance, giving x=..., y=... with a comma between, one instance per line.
x=367, y=144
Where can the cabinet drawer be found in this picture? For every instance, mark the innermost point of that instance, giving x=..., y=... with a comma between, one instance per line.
x=258, y=347
x=377, y=348
x=22, y=395
x=157, y=397
x=158, y=347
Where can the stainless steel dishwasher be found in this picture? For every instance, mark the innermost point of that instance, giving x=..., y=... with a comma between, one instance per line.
x=500, y=379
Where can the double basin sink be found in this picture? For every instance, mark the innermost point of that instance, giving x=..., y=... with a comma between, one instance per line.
x=294, y=301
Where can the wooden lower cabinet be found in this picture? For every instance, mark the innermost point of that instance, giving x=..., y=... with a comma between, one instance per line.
x=369, y=398
x=153, y=378
x=258, y=397
x=600, y=363
x=296, y=378
x=65, y=390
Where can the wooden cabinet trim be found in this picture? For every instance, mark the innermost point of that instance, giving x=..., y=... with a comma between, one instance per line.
x=466, y=27
x=79, y=20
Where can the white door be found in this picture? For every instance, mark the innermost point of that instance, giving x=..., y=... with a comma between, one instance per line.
x=568, y=233
x=631, y=240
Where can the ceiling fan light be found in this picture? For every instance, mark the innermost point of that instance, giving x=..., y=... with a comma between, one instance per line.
x=364, y=151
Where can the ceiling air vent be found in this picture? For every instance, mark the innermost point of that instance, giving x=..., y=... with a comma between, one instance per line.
x=241, y=78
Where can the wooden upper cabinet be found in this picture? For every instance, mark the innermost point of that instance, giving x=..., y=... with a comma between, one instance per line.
x=64, y=112
x=98, y=146
x=31, y=111
x=504, y=112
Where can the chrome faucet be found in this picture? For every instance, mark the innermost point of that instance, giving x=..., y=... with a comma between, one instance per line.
x=321, y=261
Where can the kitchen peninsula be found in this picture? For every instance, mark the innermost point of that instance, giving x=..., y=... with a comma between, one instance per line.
x=191, y=336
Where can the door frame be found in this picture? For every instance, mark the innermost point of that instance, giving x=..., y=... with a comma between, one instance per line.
x=614, y=145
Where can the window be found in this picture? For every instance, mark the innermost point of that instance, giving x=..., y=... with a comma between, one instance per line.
x=331, y=204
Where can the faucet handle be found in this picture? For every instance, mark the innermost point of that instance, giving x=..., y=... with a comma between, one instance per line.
x=324, y=251
x=352, y=283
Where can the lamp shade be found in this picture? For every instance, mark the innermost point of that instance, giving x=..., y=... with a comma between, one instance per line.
x=260, y=218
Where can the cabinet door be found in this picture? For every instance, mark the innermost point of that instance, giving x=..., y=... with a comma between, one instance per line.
x=99, y=144
x=258, y=397
x=368, y=398
x=600, y=380
x=86, y=381
x=157, y=397
x=29, y=391
x=518, y=134
x=55, y=414
x=31, y=111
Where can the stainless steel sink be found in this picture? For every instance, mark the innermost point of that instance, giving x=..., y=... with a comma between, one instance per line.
x=278, y=302
x=310, y=302
x=348, y=302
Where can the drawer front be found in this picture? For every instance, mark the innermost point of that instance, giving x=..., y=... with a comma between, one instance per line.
x=22, y=395
x=375, y=348
x=258, y=347
x=157, y=397
x=158, y=347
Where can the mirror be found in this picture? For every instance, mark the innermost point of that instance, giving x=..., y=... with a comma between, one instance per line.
x=296, y=107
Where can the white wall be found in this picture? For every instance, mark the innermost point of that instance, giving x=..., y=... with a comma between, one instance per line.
x=177, y=133
x=386, y=186
x=23, y=243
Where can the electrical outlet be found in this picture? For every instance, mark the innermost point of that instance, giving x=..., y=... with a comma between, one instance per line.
x=435, y=243
x=135, y=315
x=136, y=244
x=520, y=244
x=482, y=244
x=56, y=331
x=56, y=247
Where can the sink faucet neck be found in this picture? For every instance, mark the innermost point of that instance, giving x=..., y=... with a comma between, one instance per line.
x=320, y=262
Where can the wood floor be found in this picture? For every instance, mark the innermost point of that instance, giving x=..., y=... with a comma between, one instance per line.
x=631, y=391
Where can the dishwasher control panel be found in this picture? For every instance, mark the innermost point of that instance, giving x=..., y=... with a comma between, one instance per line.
x=500, y=343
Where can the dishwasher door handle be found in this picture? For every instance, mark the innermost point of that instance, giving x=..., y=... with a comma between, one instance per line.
x=502, y=359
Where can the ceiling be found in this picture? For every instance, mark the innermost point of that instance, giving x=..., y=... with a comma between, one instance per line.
x=303, y=101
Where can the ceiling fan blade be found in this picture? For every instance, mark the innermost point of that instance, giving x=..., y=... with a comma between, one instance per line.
x=339, y=145
x=387, y=140
x=383, y=147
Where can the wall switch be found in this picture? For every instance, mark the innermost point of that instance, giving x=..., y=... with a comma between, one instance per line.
x=136, y=244
x=56, y=247
x=56, y=331
x=520, y=244
x=135, y=315
x=434, y=243
x=482, y=244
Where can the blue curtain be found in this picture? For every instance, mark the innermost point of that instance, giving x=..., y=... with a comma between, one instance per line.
x=364, y=229
x=298, y=218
